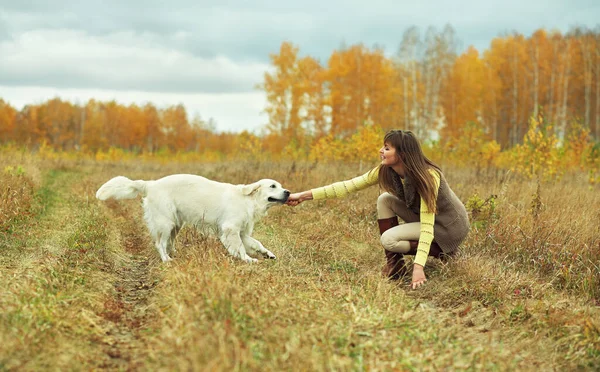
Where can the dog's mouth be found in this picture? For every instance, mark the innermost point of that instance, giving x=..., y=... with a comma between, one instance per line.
x=275, y=200
x=286, y=195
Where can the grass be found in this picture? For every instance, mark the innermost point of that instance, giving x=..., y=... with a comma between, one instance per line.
x=88, y=291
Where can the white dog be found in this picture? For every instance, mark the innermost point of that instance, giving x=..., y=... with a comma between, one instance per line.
x=173, y=201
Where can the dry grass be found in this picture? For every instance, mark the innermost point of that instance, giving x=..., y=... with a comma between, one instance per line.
x=17, y=190
x=88, y=291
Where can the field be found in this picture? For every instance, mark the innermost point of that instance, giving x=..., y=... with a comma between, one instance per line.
x=84, y=288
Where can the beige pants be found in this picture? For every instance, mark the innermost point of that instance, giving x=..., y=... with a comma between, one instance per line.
x=396, y=239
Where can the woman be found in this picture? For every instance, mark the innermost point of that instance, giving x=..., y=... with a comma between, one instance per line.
x=434, y=220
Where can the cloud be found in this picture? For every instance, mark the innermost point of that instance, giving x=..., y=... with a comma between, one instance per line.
x=247, y=31
x=120, y=61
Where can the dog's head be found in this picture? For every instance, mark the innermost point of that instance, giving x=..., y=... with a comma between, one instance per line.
x=267, y=191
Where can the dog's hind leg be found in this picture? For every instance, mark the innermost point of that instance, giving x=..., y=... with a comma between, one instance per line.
x=162, y=244
x=230, y=237
x=254, y=246
x=162, y=240
x=160, y=227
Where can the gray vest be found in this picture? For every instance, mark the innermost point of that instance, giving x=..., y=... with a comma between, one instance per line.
x=451, y=221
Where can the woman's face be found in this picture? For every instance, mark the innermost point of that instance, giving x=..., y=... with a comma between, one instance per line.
x=388, y=155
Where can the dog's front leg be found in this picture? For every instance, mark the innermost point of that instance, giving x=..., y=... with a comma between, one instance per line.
x=230, y=237
x=255, y=246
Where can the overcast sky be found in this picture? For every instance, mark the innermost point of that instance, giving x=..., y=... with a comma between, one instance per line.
x=210, y=55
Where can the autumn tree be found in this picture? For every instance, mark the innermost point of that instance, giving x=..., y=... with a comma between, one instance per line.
x=507, y=58
x=440, y=55
x=295, y=101
x=154, y=135
x=585, y=76
x=175, y=126
x=408, y=62
x=362, y=90
x=466, y=95
x=8, y=116
x=424, y=66
x=312, y=88
x=92, y=135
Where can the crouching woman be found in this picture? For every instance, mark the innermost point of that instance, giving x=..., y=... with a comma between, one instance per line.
x=418, y=213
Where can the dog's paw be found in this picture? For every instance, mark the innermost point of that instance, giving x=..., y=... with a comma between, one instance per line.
x=249, y=259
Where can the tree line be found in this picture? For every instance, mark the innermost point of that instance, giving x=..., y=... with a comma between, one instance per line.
x=99, y=126
x=426, y=86
x=429, y=88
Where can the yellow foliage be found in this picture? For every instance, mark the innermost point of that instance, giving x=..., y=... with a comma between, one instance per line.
x=489, y=152
x=250, y=147
x=365, y=143
x=539, y=155
x=112, y=154
x=327, y=148
x=577, y=144
x=471, y=148
x=592, y=163
x=293, y=152
x=361, y=146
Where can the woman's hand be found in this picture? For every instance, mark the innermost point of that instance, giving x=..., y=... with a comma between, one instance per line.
x=298, y=197
x=293, y=199
x=418, y=276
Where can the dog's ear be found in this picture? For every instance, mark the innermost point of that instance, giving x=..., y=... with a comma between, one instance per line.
x=251, y=188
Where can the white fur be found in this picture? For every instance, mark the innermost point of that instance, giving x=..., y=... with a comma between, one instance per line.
x=179, y=199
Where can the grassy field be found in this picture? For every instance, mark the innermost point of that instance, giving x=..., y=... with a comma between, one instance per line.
x=84, y=288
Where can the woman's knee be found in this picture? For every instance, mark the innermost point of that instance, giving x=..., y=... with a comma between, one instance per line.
x=387, y=240
x=385, y=202
x=390, y=242
x=385, y=199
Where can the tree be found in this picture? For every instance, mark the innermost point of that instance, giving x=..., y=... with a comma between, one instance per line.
x=408, y=57
x=176, y=128
x=362, y=89
x=283, y=97
x=8, y=117
x=465, y=95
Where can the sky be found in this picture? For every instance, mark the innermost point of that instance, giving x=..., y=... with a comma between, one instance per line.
x=211, y=55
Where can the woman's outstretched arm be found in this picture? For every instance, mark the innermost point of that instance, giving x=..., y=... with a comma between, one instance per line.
x=336, y=190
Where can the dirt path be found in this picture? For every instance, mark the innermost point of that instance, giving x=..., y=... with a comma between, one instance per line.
x=86, y=271
x=128, y=309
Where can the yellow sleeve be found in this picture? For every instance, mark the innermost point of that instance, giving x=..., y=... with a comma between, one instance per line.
x=341, y=189
x=427, y=221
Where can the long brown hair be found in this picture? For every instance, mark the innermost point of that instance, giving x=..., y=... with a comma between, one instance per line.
x=416, y=167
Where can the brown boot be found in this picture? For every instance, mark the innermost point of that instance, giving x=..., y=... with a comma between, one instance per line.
x=394, y=267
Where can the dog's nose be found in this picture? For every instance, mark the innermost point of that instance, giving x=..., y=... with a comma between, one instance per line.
x=286, y=193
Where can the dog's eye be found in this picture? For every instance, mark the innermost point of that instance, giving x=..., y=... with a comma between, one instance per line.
x=273, y=186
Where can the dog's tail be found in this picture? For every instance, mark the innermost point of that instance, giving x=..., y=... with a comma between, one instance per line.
x=121, y=188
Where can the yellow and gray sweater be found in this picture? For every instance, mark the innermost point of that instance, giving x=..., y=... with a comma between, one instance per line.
x=427, y=218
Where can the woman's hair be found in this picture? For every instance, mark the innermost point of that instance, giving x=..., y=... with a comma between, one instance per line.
x=416, y=167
